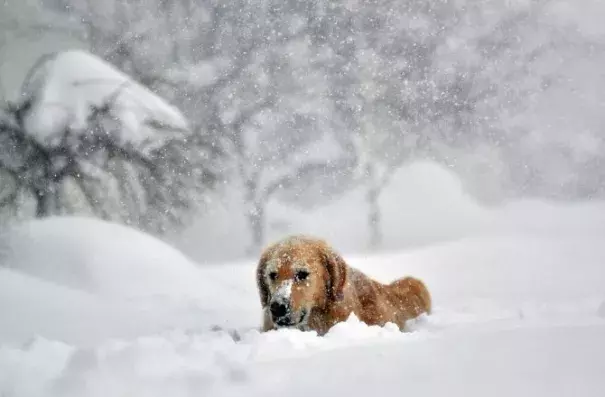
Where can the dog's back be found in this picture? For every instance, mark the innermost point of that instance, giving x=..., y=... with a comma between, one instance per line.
x=397, y=302
x=411, y=296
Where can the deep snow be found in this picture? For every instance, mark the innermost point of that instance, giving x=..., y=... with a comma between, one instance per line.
x=520, y=312
x=82, y=280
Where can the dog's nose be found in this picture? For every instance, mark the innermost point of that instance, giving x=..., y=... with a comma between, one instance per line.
x=279, y=309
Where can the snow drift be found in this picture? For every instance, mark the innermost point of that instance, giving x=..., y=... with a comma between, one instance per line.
x=519, y=314
x=82, y=280
x=97, y=256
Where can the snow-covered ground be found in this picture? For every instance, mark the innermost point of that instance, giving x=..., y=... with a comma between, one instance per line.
x=94, y=309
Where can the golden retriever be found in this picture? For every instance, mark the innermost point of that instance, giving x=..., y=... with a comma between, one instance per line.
x=303, y=283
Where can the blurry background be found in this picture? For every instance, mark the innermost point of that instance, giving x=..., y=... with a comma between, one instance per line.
x=220, y=126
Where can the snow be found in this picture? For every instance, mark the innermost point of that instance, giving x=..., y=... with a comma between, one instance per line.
x=423, y=194
x=116, y=251
x=90, y=308
x=203, y=74
x=284, y=291
x=424, y=203
x=93, y=280
x=65, y=85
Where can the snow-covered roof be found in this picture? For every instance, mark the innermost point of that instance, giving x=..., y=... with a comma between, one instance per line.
x=65, y=86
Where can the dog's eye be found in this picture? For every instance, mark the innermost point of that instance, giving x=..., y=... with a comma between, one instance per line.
x=301, y=275
x=272, y=276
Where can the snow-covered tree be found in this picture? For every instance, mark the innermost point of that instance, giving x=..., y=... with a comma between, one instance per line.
x=279, y=116
x=421, y=79
x=536, y=65
x=388, y=88
x=242, y=72
x=86, y=138
x=387, y=81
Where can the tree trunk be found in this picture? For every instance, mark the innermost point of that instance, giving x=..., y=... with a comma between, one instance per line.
x=374, y=217
x=255, y=214
x=43, y=201
x=256, y=220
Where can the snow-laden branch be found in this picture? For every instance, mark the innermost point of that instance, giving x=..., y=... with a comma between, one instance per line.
x=124, y=151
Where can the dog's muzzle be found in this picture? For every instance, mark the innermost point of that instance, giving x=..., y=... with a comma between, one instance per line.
x=281, y=307
x=283, y=317
x=280, y=311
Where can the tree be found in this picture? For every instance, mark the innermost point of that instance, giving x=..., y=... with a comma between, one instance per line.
x=242, y=72
x=285, y=171
x=387, y=87
x=86, y=138
x=526, y=138
x=389, y=81
x=432, y=80
x=278, y=116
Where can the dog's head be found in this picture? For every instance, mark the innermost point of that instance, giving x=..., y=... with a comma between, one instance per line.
x=297, y=275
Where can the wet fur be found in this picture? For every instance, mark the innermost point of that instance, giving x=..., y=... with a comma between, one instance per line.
x=335, y=290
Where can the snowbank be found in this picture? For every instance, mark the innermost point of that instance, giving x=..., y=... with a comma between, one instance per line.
x=66, y=85
x=99, y=257
x=31, y=306
x=82, y=280
x=537, y=361
x=513, y=314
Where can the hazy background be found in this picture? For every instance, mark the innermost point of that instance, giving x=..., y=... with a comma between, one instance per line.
x=377, y=125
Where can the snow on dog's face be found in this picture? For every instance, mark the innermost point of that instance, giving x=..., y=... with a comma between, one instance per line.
x=296, y=276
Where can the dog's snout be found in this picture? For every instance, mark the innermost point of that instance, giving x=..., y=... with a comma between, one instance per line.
x=279, y=309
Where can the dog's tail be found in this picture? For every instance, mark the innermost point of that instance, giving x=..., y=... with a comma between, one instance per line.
x=415, y=293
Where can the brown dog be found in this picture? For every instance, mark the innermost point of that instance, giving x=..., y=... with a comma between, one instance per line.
x=304, y=284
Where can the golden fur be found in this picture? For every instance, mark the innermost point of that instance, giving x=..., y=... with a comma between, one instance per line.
x=321, y=290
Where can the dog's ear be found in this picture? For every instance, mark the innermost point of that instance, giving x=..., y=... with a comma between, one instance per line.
x=337, y=270
x=261, y=282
